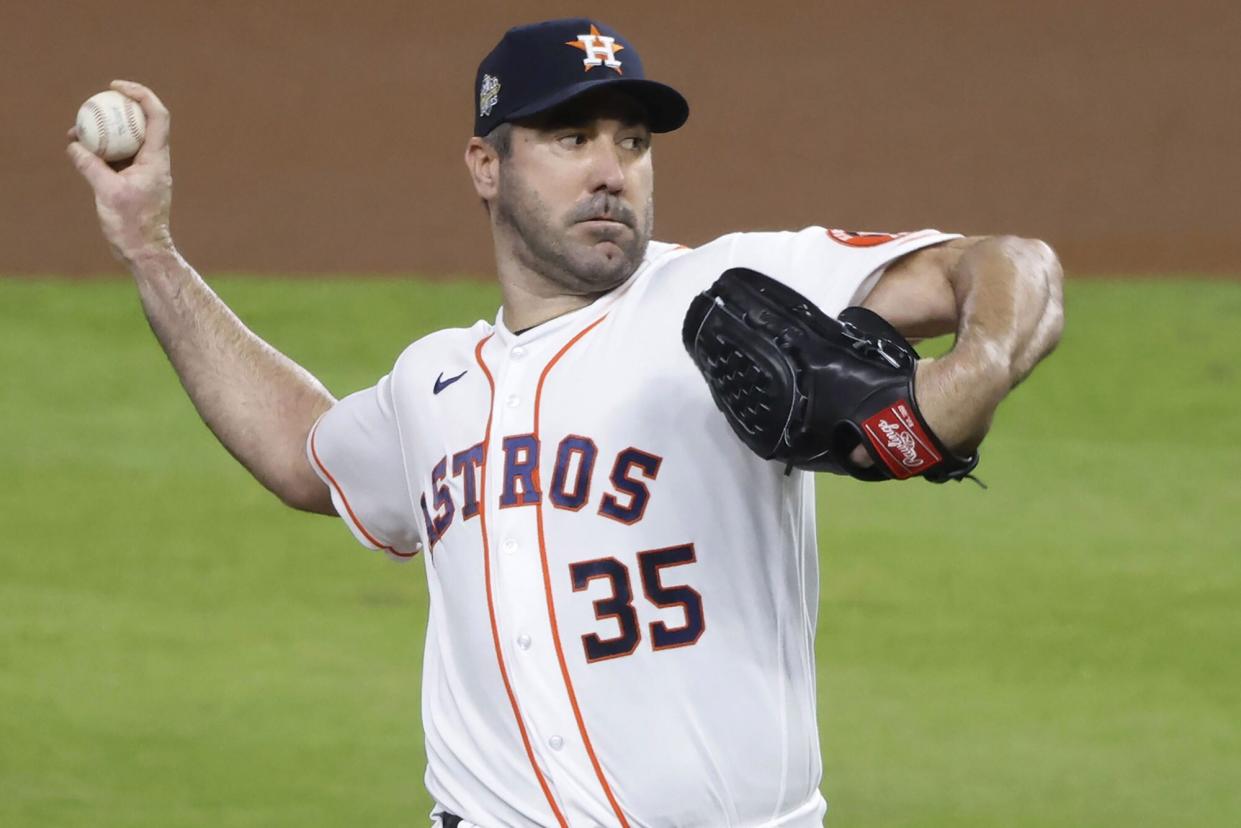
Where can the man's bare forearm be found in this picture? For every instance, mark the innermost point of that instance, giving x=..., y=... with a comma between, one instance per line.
x=1010, y=315
x=258, y=403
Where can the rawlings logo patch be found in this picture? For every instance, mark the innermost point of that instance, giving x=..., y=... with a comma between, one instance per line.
x=900, y=442
x=903, y=442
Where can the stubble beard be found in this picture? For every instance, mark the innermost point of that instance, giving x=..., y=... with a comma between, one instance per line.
x=544, y=247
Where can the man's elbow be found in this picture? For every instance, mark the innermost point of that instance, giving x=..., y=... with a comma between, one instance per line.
x=1035, y=261
x=305, y=494
x=1049, y=274
x=1043, y=275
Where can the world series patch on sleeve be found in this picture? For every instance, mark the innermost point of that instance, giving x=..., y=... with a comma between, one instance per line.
x=802, y=388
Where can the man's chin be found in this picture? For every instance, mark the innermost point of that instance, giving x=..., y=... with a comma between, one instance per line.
x=604, y=266
x=608, y=250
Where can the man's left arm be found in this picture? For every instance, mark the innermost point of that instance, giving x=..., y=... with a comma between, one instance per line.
x=1003, y=298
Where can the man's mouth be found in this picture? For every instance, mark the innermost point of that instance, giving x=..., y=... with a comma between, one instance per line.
x=604, y=221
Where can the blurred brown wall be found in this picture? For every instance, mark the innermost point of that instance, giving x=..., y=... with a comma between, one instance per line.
x=327, y=136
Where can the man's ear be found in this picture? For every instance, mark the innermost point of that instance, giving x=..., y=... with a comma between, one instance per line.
x=484, y=165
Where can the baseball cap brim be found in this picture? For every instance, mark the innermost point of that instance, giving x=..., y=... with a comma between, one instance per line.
x=667, y=108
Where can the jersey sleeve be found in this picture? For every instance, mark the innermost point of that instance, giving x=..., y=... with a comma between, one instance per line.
x=355, y=448
x=832, y=268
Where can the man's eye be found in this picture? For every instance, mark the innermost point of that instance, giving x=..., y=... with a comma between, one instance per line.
x=575, y=139
x=634, y=143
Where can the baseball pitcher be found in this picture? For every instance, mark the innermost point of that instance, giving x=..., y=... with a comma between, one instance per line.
x=611, y=484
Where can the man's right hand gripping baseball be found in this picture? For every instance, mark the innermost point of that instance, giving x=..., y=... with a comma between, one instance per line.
x=259, y=403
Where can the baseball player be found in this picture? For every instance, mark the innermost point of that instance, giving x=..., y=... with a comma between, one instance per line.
x=623, y=592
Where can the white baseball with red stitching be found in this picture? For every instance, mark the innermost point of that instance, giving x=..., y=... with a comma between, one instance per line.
x=111, y=125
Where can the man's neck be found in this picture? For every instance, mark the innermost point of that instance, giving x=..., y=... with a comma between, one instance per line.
x=524, y=309
x=530, y=299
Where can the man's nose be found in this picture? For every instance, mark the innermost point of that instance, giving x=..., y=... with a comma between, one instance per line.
x=607, y=173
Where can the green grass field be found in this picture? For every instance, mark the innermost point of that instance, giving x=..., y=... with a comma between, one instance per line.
x=178, y=649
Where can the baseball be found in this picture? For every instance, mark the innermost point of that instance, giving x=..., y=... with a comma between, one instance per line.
x=111, y=125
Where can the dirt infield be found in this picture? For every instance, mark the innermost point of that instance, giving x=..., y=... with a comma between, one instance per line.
x=319, y=136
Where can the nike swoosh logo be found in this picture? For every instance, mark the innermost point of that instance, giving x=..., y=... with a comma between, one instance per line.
x=441, y=383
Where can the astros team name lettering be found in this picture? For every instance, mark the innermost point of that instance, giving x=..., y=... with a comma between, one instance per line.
x=625, y=501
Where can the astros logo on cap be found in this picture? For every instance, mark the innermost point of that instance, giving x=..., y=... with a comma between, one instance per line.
x=600, y=50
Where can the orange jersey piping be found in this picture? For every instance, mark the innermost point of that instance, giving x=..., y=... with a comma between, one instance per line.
x=491, y=612
x=314, y=452
x=547, y=585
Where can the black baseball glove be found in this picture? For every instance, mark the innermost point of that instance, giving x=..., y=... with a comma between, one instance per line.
x=805, y=389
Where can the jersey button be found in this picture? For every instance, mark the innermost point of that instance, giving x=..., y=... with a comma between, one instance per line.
x=556, y=742
x=510, y=545
x=523, y=641
x=519, y=352
x=513, y=401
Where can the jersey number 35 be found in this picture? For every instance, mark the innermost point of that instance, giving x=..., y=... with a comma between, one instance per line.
x=619, y=605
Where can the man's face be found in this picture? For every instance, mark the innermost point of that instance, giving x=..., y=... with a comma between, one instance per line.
x=577, y=191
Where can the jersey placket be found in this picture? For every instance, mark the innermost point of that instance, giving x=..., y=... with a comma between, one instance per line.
x=517, y=578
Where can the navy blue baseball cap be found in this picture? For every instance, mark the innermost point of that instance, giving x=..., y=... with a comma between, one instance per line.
x=536, y=67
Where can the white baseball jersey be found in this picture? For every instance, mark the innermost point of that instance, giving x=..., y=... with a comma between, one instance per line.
x=623, y=596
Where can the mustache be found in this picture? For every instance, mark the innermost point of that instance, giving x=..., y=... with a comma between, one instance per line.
x=603, y=206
